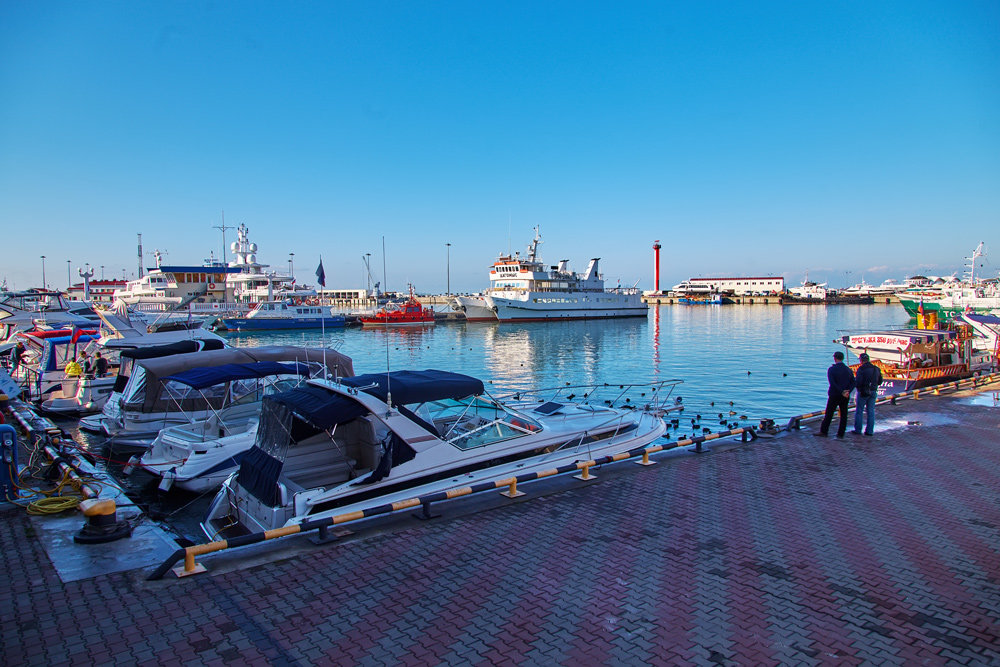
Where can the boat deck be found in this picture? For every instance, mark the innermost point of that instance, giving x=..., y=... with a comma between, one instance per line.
x=793, y=550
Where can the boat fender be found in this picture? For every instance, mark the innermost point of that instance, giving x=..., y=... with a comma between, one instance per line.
x=211, y=286
x=130, y=466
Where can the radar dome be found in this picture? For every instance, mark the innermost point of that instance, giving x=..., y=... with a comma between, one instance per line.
x=251, y=259
x=233, y=246
x=253, y=247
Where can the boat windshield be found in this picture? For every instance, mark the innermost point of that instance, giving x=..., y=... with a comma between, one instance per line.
x=474, y=422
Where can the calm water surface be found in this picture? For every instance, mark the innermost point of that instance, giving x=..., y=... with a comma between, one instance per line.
x=769, y=361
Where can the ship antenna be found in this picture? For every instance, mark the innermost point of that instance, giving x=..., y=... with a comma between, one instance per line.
x=223, y=227
x=508, y=233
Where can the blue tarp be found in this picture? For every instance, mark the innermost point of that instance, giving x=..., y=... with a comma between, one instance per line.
x=199, y=378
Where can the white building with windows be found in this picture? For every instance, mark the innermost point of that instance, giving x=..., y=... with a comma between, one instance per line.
x=741, y=286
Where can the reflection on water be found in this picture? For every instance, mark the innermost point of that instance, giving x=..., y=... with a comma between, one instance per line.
x=739, y=364
x=767, y=360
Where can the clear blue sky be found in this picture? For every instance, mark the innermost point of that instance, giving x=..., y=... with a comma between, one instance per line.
x=750, y=138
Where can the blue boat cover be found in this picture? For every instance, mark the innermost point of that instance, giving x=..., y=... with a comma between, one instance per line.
x=199, y=378
x=49, y=360
x=318, y=406
x=408, y=387
x=323, y=409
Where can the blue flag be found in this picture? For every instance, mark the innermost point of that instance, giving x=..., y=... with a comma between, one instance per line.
x=321, y=274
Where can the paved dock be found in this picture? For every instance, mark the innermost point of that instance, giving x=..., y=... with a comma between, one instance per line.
x=792, y=550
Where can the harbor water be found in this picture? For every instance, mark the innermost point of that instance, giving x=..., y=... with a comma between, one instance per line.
x=769, y=361
x=738, y=364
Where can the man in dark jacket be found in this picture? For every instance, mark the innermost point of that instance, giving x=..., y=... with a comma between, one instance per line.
x=841, y=383
x=867, y=381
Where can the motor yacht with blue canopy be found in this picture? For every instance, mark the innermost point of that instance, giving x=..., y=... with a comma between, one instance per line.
x=332, y=447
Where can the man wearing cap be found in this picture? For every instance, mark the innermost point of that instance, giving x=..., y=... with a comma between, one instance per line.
x=868, y=379
x=838, y=395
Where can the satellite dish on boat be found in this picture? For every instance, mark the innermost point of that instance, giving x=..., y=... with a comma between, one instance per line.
x=251, y=259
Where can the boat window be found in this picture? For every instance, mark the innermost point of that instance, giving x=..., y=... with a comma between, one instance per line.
x=176, y=391
x=478, y=432
x=135, y=390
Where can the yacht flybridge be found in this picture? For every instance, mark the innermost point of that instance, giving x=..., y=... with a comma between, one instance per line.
x=328, y=448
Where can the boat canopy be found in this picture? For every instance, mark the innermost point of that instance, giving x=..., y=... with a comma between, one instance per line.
x=324, y=409
x=57, y=350
x=199, y=378
x=158, y=369
x=318, y=406
x=409, y=387
x=899, y=339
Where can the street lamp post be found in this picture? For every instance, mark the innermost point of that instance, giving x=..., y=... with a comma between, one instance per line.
x=69, y=277
x=291, y=264
x=448, y=245
x=43, y=271
x=102, y=272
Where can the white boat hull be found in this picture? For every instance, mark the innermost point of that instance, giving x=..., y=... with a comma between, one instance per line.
x=475, y=309
x=540, y=306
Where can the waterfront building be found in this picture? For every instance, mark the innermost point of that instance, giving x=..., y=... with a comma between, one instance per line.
x=101, y=291
x=741, y=286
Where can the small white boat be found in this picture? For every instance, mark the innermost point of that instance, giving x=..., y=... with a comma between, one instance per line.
x=329, y=448
x=285, y=315
x=692, y=288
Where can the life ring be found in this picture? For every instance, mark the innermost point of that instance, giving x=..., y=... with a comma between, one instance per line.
x=211, y=286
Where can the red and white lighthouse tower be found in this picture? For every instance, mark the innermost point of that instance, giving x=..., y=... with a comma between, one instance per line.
x=656, y=265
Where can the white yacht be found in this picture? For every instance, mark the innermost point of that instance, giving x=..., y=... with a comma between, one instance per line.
x=213, y=289
x=523, y=290
x=331, y=448
x=692, y=288
x=809, y=291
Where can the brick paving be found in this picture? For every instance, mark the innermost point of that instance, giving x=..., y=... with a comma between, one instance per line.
x=795, y=550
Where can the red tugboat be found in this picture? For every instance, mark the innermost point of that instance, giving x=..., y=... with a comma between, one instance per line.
x=406, y=313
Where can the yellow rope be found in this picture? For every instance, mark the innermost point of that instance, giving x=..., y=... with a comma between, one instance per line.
x=53, y=505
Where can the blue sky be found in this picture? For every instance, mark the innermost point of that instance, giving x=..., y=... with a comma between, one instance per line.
x=845, y=139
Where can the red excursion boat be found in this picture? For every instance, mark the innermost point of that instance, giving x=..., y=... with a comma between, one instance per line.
x=405, y=313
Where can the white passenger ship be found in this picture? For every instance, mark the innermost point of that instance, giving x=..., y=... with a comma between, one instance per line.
x=522, y=290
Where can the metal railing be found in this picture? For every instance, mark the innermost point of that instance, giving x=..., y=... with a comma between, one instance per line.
x=796, y=422
x=188, y=554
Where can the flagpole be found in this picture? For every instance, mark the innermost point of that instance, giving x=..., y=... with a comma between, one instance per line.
x=321, y=278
